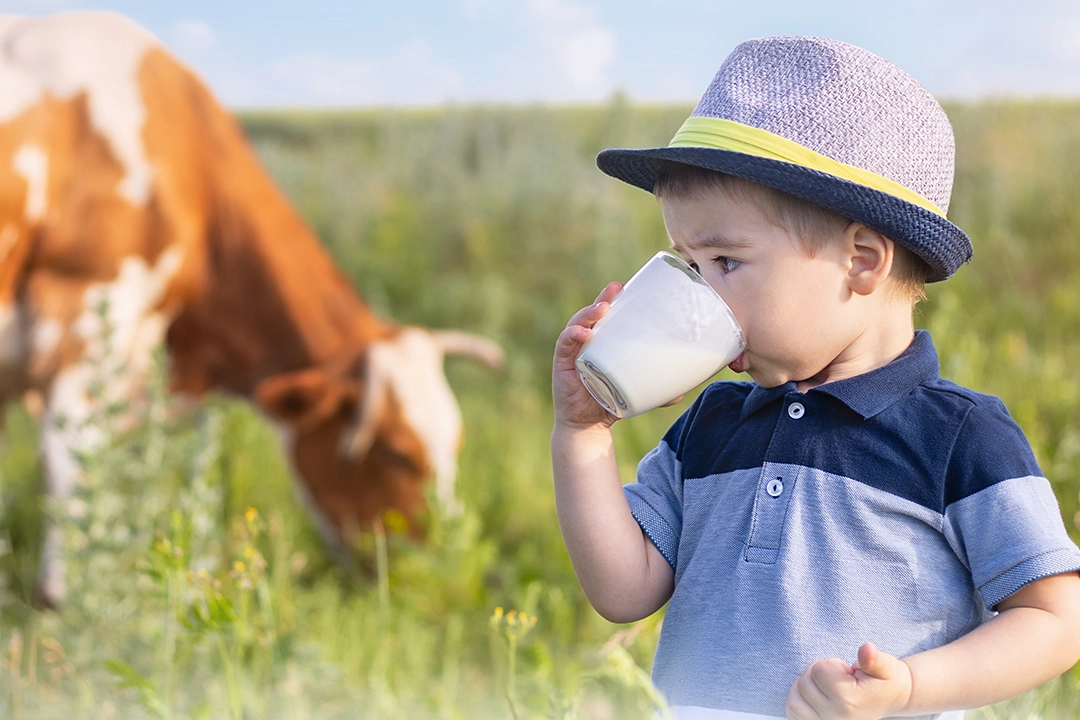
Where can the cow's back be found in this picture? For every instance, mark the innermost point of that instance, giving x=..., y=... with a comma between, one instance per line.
x=128, y=194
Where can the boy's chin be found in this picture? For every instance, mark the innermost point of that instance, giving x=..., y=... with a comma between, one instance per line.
x=767, y=377
x=762, y=378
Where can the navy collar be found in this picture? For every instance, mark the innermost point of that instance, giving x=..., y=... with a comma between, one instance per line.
x=869, y=393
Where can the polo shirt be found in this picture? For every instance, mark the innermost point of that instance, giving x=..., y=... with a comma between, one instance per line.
x=894, y=507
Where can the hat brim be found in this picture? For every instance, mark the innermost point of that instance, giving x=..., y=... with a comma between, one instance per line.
x=943, y=246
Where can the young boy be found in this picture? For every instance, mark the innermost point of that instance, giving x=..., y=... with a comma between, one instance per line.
x=849, y=536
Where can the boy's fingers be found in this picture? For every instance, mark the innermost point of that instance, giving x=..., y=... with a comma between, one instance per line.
x=805, y=698
x=797, y=708
x=588, y=316
x=888, y=670
x=610, y=292
x=576, y=333
x=875, y=663
x=868, y=659
x=830, y=669
x=829, y=674
x=569, y=341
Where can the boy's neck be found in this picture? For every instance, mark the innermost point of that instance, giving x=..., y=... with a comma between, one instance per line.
x=878, y=344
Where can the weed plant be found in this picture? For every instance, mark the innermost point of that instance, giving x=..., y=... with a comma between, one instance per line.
x=199, y=588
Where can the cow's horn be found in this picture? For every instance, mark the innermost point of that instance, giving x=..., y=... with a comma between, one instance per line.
x=456, y=342
x=358, y=437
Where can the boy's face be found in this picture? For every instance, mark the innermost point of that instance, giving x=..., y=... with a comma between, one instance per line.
x=791, y=306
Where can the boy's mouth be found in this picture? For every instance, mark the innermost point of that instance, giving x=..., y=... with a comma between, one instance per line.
x=738, y=364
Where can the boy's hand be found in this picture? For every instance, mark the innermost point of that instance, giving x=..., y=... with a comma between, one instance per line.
x=573, y=403
x=877, y=685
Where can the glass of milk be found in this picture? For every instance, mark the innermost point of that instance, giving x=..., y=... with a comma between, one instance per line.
x=664, y=334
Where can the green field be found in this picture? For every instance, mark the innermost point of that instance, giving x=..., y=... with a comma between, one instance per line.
x=199, y=588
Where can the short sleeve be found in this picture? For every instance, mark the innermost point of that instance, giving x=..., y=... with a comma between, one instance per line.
x=656, y=498
x=1001, y=517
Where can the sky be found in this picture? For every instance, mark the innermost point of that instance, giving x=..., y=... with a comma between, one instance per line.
x=318, y=53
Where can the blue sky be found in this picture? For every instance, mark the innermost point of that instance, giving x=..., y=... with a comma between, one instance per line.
x=258, y=53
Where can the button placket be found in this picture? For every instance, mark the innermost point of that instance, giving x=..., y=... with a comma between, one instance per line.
x=770, y=512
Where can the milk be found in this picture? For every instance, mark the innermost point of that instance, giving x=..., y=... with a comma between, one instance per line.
x=666, y=333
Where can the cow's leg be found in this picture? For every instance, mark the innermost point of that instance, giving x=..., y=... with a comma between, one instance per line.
x=72, y=426
x=66, y=430
x=119, y=325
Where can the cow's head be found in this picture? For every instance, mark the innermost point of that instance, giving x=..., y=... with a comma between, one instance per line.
x=365, y=434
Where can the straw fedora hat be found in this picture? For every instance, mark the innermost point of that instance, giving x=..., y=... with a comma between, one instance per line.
x=830, y=123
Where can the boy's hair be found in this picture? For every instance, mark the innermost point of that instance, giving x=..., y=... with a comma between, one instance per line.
x=811, y=224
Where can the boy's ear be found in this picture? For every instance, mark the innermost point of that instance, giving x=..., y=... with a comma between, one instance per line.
x=871, y=256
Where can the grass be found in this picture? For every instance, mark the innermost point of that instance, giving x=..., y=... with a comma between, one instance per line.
x=199, y=587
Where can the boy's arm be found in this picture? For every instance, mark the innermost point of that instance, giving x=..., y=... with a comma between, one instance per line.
x=622, y=573
x=1034, y=637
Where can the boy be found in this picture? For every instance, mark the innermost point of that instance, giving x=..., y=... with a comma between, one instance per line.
x=849, y=503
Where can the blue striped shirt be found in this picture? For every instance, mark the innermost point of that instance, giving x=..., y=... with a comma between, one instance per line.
x=893, y=507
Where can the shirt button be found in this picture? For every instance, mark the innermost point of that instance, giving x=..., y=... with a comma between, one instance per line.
x=775, y=487
x=796, y=410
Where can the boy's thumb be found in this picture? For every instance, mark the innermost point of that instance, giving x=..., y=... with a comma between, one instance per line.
x=875, y=663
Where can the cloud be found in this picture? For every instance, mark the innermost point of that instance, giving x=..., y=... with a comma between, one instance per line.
x=1060, y=33
x=1035, y=54
x=191, y=33
x=35, y=7
x=410, y=75
x=320, y=79
x=198, y=44
x=582, y=50
x=473, y=8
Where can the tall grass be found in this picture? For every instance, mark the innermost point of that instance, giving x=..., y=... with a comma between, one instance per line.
x=200, y=587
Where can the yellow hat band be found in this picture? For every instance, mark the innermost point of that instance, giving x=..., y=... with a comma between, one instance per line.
x=730, y=135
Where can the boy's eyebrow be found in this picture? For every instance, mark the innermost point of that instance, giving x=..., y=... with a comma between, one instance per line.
x=716, y=241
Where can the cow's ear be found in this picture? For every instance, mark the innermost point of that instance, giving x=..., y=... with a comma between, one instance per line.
x=304, y=398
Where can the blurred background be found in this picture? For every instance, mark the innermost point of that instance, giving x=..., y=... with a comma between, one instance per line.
x=443, y=152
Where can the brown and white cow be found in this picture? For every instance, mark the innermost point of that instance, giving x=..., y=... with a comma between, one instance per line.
x=130, y=198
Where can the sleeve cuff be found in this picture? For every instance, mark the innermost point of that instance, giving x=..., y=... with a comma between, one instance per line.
x=654, y=526
x=1055, y=562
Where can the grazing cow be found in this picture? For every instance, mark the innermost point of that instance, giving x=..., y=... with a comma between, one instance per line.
x=130, y=200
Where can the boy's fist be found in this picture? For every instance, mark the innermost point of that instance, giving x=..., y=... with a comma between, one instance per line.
x=573, y=403
x=876, y=686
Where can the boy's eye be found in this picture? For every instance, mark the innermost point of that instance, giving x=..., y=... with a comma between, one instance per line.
x=727, y=264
